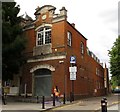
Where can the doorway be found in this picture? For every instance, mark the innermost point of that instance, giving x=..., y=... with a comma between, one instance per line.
x=42, y=82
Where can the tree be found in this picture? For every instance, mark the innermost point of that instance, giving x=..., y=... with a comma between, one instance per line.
x=115, y=62
x=13, y=43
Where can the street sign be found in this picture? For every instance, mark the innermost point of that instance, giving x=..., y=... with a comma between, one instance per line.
x=72, y=75
x=72, y=59
x=73, y=69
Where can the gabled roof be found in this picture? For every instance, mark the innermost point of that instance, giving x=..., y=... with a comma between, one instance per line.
x=77, y=30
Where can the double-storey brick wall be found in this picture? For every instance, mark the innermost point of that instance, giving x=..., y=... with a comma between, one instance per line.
x=88, y=82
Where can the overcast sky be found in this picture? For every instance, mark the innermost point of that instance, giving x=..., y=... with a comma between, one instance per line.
x=97, y=20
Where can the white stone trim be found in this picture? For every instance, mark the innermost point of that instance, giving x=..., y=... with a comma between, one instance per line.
x=43, y=25
x=58, y=19
x=50, y=67
x=46, y=59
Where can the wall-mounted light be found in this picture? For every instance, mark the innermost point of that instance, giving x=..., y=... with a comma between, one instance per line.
x=61, y=61
x=55, y=49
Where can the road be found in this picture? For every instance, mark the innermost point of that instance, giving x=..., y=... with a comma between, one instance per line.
x=83, y=105
x=19, y=110
x=115, y=107
x=89, y=105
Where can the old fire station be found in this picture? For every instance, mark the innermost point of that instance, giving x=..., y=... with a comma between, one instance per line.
x=53, y=46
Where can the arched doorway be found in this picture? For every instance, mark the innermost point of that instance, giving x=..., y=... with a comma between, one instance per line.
x=42, y=82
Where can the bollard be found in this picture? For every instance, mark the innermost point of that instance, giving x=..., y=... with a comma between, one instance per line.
x=43, y=102
x=3, y=100
x=103, y=106
x=105, y=99
x=53, y=99
x=37, y=99
x=3, y=97
x=64, y=99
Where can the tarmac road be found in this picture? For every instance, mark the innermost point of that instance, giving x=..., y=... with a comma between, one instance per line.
x=88, y=105
x=114, y=107
x=84, y=105
x=19, y=110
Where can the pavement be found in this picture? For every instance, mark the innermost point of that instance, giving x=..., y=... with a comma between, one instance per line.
x=92, y=103
x=17, y=105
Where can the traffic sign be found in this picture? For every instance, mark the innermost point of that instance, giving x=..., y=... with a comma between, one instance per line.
x=72, y=59
x=73, y=69
x=72, y=75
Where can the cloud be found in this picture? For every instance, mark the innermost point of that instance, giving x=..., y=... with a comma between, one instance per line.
x=7, y=0
x=96, y=20
x=109, y=15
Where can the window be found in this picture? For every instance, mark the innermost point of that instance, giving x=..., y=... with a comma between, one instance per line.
x=43, y=36
x=82, y=47
x=69, y=38
x=96, y=71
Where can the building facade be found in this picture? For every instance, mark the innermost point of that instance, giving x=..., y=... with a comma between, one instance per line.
x=51, y=42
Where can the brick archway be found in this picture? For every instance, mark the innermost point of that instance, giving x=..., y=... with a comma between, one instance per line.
x=46, y=66
x=44, y=78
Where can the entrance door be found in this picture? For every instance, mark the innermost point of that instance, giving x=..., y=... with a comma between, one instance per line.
x=43, y=83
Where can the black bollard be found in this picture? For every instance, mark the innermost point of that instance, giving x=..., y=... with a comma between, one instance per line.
x=37, y=99
x=105, y=99
x=43, y=102
x=103, y=106
x=64, y=99
x=3, y=97
x=53, y=99
x=3, y=100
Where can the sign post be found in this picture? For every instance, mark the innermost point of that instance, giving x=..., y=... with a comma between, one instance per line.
x=72, y=70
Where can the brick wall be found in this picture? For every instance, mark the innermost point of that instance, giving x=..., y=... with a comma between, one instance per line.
x=87, y=79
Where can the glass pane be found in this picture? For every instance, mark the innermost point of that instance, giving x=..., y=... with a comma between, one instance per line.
x=41, y=29
x=40, y=38
x=47, y=37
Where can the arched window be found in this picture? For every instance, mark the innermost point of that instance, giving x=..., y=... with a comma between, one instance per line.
x=43, y=36
x=82, y=47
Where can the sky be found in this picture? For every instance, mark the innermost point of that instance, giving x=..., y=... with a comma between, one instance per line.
x=97, y=20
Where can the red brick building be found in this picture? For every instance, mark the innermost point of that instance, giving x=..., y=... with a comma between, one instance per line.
x=52, y=40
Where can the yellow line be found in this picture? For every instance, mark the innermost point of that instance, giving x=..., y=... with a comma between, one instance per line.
x=116, y=102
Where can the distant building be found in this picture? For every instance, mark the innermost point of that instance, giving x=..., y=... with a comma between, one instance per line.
x=52, y=40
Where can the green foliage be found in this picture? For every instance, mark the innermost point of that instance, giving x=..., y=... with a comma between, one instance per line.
x=115, y=62
x=13, y=43
x=115, y=82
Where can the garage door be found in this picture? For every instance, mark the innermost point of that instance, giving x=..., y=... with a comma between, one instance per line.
x=43, y=83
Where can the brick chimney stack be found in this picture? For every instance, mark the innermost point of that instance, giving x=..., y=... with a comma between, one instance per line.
x=73, y=24
x=63, y=11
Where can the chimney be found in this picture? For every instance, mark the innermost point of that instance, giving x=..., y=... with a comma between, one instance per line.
x=105, y=65
x=73, y=24
x=63, y=11
x=37, y=8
